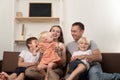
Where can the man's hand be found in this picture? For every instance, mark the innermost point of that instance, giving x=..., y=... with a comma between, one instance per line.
x=73, y=58
x=96, y=56
x=89, y=58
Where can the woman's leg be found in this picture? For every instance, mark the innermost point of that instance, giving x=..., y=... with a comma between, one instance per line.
x=50, y=66
x=55, y=74
x=33, y=73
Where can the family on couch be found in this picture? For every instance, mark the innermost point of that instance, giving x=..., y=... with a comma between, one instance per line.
x=58, y=72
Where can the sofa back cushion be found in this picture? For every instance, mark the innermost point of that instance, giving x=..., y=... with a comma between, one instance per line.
x=110, y=62
x=10, y=60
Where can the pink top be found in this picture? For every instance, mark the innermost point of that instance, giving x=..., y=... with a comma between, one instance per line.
x=49, y=55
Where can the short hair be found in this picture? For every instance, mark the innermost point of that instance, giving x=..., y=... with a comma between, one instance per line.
x=81, y=25
x=29, y=40
x=44, y=35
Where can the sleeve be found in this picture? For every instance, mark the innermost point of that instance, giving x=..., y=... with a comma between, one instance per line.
x=22, y=53
x=93, y=45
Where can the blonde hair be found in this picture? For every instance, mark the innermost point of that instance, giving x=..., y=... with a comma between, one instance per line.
x=43, y=36
x=84, y=39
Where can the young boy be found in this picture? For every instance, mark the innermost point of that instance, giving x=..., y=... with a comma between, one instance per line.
x=77, y=64
x=26, y=59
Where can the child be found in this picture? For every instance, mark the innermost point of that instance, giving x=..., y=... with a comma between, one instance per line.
x=26, y=58
x=77, y=65
x=50, y=58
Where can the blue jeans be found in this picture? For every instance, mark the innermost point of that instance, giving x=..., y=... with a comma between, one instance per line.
x=96, y=73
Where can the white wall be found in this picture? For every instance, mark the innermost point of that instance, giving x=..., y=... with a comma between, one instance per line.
x=33, y=28
x=101, y=19
x=6, y=25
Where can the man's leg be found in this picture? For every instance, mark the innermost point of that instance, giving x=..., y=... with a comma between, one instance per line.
x=96, y=73
x=33, y=73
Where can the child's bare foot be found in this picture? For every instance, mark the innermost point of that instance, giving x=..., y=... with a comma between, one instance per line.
x=3, y=76
x=20, y=76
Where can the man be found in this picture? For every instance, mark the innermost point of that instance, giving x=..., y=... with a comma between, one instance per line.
x=95, y=72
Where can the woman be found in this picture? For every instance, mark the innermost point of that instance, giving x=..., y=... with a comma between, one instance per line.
x=55, y=74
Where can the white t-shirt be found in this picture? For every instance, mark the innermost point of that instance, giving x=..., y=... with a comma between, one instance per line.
x=88, y=52
x=28, y=56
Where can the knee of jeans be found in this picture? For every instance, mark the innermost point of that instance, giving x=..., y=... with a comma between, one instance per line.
x=94, y=72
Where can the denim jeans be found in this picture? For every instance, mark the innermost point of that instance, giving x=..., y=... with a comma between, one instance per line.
x=96, y=73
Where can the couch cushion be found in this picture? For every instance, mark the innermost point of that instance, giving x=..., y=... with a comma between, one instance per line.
x=10, y=60
x=110, y=62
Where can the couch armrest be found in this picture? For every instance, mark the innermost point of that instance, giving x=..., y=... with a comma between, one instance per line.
x=0, y=65
x=10, y=60
x=110, y=62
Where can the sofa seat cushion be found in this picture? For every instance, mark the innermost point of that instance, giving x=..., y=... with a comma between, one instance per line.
x=110, y=62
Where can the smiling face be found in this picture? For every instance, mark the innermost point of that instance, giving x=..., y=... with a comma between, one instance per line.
x=56, y=32
x=83, y=44
x=76, y=32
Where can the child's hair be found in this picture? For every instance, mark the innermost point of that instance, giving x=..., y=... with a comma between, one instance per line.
x=44, y=35
x=84, y=39
x=29, y=40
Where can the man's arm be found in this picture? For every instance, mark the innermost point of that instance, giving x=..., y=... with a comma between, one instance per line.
x=96, y=56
